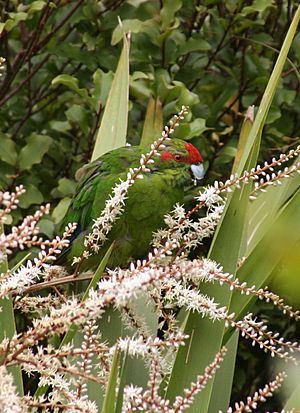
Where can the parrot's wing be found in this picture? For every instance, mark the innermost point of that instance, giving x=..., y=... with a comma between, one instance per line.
x=79, y=210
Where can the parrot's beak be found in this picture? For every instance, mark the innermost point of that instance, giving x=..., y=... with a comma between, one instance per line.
x=198, y=171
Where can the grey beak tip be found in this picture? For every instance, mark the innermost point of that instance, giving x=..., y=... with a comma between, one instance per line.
x=198, y=171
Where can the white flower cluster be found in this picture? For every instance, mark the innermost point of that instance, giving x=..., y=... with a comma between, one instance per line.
x=187, y=232
x=138, y=399
x=2, y=65
x=25, y=234
x=10, y=402
x=10, y=201
x=258, y=397
x=29, y=273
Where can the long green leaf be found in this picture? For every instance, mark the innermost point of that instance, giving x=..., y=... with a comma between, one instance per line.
x=263, y=210
x=113, y=129
x=222, y=388
x=153, y=123
x=111, y=390
x=123, y=371
x=281, y=237
x=244, y=135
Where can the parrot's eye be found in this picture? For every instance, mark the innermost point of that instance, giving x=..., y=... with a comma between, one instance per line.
x=177, y=157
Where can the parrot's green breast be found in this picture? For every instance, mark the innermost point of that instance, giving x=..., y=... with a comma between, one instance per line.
x=148, y=201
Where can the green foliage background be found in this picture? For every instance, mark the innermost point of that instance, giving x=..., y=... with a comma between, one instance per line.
x=61, y=57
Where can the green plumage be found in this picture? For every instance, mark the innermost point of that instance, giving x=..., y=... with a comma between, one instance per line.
x=149, y=199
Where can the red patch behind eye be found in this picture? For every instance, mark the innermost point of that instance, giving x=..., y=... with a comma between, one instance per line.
x=166, y=156
x=194, y=155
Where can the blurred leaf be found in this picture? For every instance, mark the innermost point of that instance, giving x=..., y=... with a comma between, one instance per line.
x=61, y=209
x=46, y=226
x=257, y=6
x=8, y=152
x=66, y=186
x=32, y=196
x=14, y=20
x=193, y=45
x=188, y=131
x=78, y=115
x=293, y=402
x=273, y=245
x=72, y=83
x=131, y=25
x=36, y=6
x=33, y=152
x=113, y=129
x=102, y=82
x=170, y=7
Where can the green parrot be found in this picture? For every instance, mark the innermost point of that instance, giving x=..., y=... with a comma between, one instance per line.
x=149, y=199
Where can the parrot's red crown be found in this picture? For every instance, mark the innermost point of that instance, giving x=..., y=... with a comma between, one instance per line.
x=192, y=158
x=194, y=154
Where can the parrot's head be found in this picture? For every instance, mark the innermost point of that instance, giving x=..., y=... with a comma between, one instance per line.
x=178, y=153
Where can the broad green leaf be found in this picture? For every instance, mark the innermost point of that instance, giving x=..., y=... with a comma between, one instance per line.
x=130, y=25
x=66, y=186
x=167, y=14
x=102, y=82
x=78, y=115
x=32, y=196
x=32, y=153
x=72, y=83
x=46, y=227
x=193, y=45
x=153, y=123
x=188, y=131
x=8, y=151
x=36, y=6
x=257, y=6
x=113, y=129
